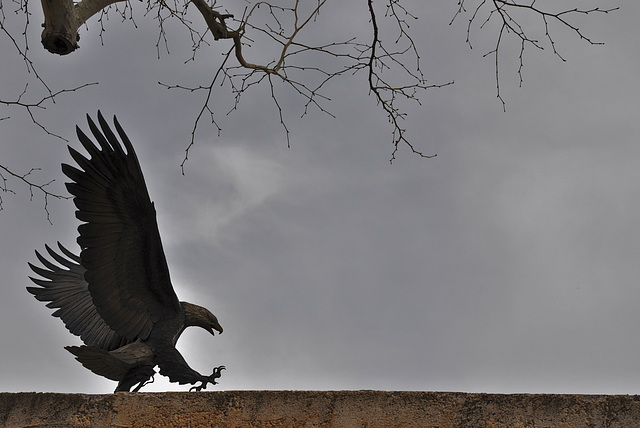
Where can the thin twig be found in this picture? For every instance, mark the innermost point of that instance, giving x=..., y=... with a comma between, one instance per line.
x=32, y=186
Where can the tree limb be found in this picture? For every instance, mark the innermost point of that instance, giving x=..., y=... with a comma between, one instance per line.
x=62, y=18
x=32, y=185
x=512, y=17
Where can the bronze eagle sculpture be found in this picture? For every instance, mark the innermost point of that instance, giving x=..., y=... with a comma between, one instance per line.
x=117, y=294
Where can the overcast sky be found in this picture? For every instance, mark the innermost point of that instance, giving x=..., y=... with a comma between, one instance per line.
x=508, y=263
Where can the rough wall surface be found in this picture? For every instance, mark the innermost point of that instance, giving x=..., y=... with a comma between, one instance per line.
x=318, y=409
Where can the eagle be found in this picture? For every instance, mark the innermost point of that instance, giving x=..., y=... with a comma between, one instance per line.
x=117, y=294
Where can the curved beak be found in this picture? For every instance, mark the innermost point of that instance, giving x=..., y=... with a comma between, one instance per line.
x=217, y=327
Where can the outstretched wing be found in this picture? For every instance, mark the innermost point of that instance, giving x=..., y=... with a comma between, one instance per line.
x=120, y=244
x=66, y=290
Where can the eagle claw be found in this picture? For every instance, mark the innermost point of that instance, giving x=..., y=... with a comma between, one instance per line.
x=210, y=379
x=216, y=373
x=198, y=388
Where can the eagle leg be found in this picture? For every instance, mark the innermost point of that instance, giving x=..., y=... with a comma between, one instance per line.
x=144, y=383
x=137, y=375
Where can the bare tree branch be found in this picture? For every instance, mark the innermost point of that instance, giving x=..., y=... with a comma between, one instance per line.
x=388, y=54
x=40, y=104
x=350, y=57
x=387, y=94
x=511, y=16
x=41, y=187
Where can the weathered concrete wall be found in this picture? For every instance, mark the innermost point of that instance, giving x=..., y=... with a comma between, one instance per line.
x=318, y=409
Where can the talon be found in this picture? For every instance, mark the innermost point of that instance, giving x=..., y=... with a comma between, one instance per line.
x=216, y=374
x=198, y=388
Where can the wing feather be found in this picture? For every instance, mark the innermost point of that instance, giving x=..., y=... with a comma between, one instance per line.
x=122, y=252
x=65, y=289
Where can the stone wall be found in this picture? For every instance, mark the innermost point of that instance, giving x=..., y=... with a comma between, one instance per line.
x=318, y=409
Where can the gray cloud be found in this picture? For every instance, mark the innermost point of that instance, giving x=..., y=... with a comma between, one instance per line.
x=505, y=264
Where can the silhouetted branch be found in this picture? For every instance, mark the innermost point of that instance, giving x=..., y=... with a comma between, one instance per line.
x=513, y=18
x=390, y=61
x=40, y=104
x=288, y=66
x=42, y=187
x=386, y=93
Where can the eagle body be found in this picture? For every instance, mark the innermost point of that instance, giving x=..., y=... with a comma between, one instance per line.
x=117, y=294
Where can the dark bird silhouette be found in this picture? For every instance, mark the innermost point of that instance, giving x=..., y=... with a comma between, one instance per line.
x=117, y=295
